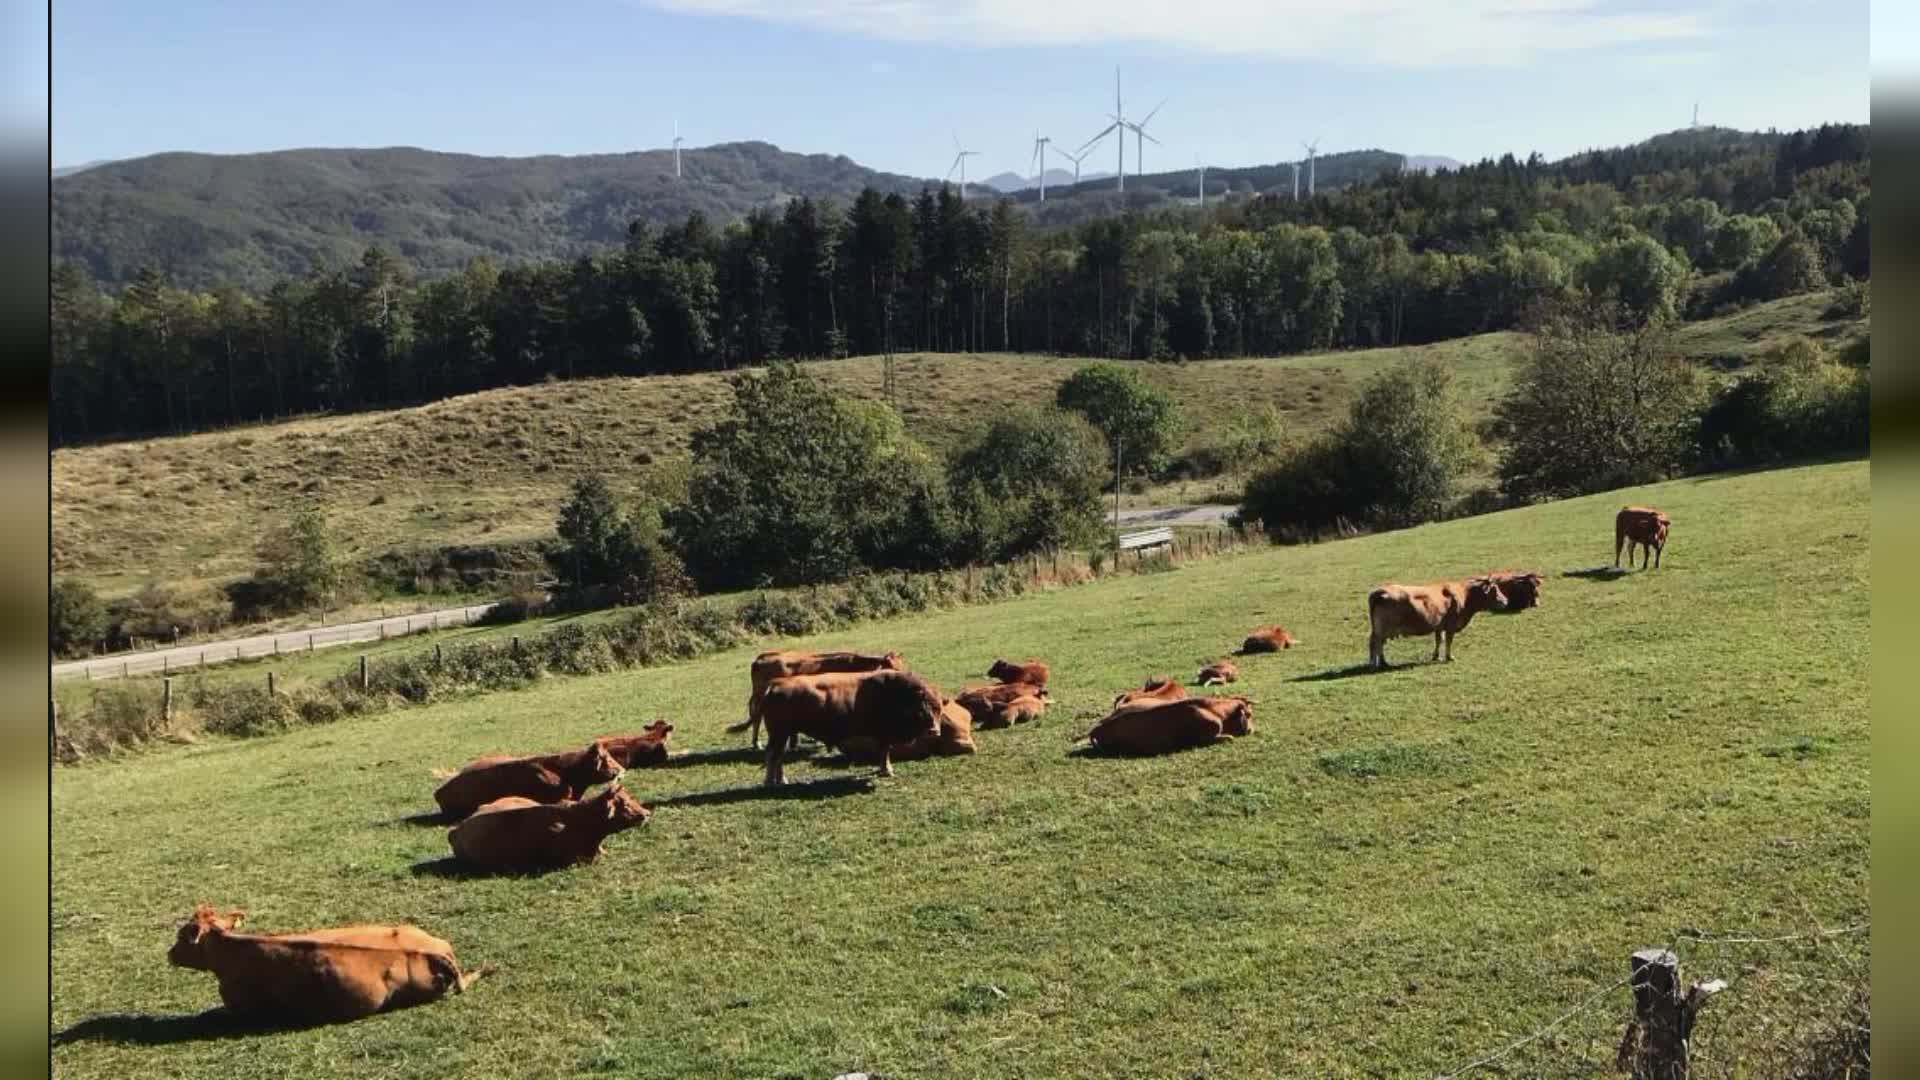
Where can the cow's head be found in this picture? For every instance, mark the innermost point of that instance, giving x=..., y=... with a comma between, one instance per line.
x=657, y=731
x=1236, y=717
x=622, y=810
x=601, y=765
x=1005, y=671
x=1483, y=594
x=186, y=950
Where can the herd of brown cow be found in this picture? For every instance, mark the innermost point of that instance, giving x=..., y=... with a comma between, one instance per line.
x=530, y=811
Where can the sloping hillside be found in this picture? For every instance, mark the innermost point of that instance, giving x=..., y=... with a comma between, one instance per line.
x=244, y=219
x=1395, y=874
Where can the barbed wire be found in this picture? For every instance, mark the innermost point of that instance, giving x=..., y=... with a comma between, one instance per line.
x=1597, y=996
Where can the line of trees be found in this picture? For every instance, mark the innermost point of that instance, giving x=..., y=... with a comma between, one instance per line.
x=1405, y=259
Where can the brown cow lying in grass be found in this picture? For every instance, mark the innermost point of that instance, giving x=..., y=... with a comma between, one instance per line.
x=519, y=833
x=955, y=738
x=1159, y=688
x=318, y=975
x=1520, y=587
x=785, y=664
x=1442, y=609
x=635, y=751
x=890, y=707
x=1173, y=725
x=544, y=778
x=1267, y=639
x=1003, y=704
x=1219, y=672
x=1641, y=525
x=1033, y=672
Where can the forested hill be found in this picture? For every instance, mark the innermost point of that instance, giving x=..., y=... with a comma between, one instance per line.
x=248, y=219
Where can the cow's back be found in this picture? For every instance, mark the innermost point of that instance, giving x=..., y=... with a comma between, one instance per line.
x=507, y=831
x=485, y=781
x=1157, y=728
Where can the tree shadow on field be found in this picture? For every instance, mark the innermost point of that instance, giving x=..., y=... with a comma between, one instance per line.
x=1356, y=670
x=160, y=1029
x=824, y=788
x=733, y=755
x=1597, y=573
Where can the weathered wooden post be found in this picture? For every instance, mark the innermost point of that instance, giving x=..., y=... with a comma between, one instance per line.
x=166, y=700
x=276, y=646
x=269, y=683
x=409, y=624
x=309, y=642
x=203, y=658
x=123, y=669
x=363, y=671
x=516, y=644
x=383, y=631
x=437, y=660
x=165, y=665
x=1655, y=1044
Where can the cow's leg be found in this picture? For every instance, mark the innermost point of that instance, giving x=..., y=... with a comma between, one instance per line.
x=1377, y=649
x=1449, y=646
x=1620, y=538
x=1436, y=645
x=776, y=752
x=1646, y=555
x=886, y=759
x=1657, y=552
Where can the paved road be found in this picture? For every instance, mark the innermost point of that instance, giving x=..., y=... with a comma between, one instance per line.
x=185, y=657
x=1177, y=515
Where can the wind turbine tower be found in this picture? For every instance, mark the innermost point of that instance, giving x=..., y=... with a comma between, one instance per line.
x=1070, y=157
x=1202, y=182
x=1313, y=150
x=676, y=148
x=1696, y=114
x=960, y=163
x=1118, y=128
x=1139, y=134
x=1296, y=181
x=1040, y=158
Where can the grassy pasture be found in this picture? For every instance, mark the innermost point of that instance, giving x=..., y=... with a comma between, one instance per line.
x=1396, y=873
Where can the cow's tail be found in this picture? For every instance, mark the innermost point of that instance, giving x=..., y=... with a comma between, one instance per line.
x=735, y=729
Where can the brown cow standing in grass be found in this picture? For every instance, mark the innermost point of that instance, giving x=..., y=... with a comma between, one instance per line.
x=544, y=778
x=890, y=707
x=520, y=833
x=1032, y=672
x=1267, y=639
x=955, y=738
x=1641, y=525
x=318, y=975
x=636, y=751
x=1219, y=672
x=1161, y=727
x=1003, y=704
x=1442, y=609
x=1157, y=689
x=784, y=664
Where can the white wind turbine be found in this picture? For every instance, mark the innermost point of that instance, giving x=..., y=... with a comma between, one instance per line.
x=676, y=148
x=1140, y=133
x=1296, y=181
x=1201, y=183
x=960, y=163
x=1313, y=150
x=1040, y=158
x=1070, y=156
x=1118, y=126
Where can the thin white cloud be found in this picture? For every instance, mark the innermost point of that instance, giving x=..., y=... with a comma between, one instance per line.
x=1397, y=33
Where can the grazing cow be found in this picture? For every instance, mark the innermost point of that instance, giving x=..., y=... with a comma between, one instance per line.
x=545, y=778
x=1520, y=587
x=1640, y=525
x=1003, y=704
x=889, y=707
x=1267, y=639
x=1159, y=688
x=1033, y=672
x=1218, y=673
x=515, y=832
x=647, y=748
x=1173, y=725
x=955, y=738
x=785, y=664
x=318, y=975
x=1442, y=609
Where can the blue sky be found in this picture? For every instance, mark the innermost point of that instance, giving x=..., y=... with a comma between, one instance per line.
x=887, y=82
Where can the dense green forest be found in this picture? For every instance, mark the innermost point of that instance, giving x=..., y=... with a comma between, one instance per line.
x=1683, y=224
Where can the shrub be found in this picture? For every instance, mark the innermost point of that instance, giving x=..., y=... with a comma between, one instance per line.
x=784, y=613
x=118, y=718
x=76, y=619
x=1595, y=408
x=1796, y=401
x=602, y=546
x=1396, y=460
x=1638, y=274
x=1029, y=482
x=1135, y=417
x=1790, y=267
x=300, y=565
x=227, y=708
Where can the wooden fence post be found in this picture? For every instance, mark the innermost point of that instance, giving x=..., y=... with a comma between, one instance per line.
x=516, y=644
x=203, y=658
x=309, y=642
x=166, y=700
x=363, y=671
x=1655, y=1044
x=437, y=661
x=269, y=683
x=276, y=646
x=123, y=669
x=165, y=665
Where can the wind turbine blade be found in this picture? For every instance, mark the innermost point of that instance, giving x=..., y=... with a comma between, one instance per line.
x=1104, y=132
x=1156, y=109
x=1147, y=137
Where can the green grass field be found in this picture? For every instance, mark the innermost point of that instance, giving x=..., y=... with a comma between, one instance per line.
x=1395, y=874
x=496, y=465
